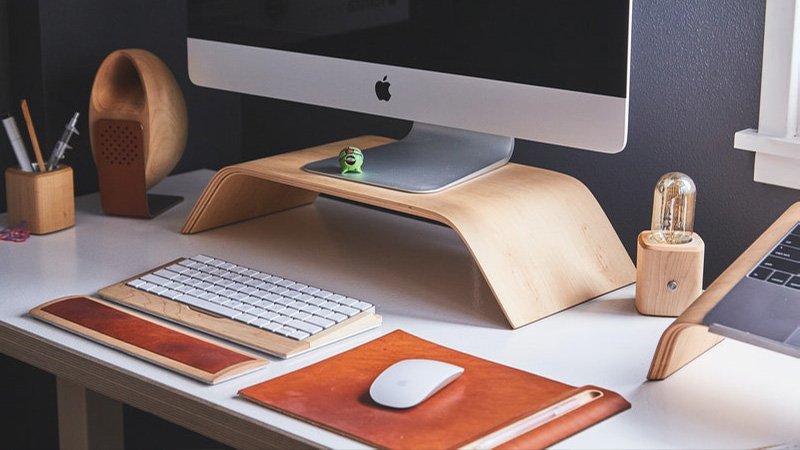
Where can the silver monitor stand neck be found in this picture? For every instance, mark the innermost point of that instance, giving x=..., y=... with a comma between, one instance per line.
x=429, y=159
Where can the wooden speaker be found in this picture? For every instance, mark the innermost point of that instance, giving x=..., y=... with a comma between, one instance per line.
x=138, y=127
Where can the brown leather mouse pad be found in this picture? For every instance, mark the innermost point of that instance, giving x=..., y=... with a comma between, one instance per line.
x=488, y=397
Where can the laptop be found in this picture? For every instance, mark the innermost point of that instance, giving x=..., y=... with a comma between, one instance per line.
x=763, y=308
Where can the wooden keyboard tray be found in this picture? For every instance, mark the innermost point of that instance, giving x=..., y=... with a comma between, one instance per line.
x=540, y=239
x=262, y=340
x=687, y=337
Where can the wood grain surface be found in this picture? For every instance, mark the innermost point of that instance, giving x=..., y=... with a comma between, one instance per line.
x=540, y=239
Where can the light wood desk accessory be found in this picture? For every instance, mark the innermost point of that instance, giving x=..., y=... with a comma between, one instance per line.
x=669, y=277
x=687, y=337
x=44, y=201
x=138, y=127
x=669, y=256
x=540, y=239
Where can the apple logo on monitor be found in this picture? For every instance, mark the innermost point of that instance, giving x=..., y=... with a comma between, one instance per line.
x=382, y=89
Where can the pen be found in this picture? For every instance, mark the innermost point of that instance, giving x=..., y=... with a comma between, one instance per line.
x=61, y=145
x=32, y=133
x=536, y=420
x=17, y=144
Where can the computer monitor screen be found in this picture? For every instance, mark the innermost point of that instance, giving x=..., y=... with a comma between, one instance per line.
x=473, y=73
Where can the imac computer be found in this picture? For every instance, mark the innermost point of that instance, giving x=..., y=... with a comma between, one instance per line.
x=471, y=75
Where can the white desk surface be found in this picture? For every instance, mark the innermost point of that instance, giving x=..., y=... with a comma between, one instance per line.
x=422, y=279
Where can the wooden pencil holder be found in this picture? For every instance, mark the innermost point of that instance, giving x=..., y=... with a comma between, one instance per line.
x=43, y=201
x=669, y=277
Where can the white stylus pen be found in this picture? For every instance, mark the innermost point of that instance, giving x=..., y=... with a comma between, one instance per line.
x=17, y=144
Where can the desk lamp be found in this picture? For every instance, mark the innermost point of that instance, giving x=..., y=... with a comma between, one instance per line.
x=669, y=257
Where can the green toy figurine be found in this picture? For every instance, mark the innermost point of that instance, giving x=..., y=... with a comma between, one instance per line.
x=351, y=159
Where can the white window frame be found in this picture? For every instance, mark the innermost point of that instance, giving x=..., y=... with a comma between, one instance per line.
x=776, y=141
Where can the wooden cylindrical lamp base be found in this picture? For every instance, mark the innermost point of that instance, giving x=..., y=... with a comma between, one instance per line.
x=669, y=277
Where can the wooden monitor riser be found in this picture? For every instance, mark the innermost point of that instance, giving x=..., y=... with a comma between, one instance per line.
x=539, y=237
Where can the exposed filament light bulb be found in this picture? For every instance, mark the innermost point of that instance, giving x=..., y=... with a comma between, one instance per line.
x=673, y=209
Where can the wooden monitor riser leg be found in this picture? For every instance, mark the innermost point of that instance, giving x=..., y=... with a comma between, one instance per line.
x=687, y=337
x=539, y=237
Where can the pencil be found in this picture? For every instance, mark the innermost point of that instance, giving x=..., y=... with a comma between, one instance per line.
x=32, y=133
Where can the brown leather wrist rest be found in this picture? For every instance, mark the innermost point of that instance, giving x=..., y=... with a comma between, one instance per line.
x=142, y=336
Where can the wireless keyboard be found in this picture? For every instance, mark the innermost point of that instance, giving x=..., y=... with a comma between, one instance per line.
x=276, y=315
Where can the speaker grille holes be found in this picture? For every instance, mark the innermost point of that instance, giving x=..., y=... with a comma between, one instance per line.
x=119, y=141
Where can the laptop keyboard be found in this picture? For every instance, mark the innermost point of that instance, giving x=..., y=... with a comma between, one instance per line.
x=279, y=305
x=782, y=264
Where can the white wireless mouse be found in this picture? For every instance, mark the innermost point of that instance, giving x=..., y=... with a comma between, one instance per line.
x=409, y=382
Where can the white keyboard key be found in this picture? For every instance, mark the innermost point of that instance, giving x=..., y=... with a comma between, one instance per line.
x=272, y=326
x=320, y=322
x=196, y=292
x=338, y=317
x=157, y=290
x=291, y=312
x=261, y=294
x=164, y=273
x=291, y=293
x=171, y=294
x=348, y=301
x=301, y=315
x=137, y=283
x=299, y=335
x=363, y=306
x=208, y=306
x=256, y=311
x=231, y=304
x=311, y=309
x=285, y=331
x=324, y=312
x=304, y=326
x=281, y=319
x=209, y=296
x=329, y=305
x=309, y=290
x=304, y=297
x=245, y=317
x=251, y=300
x=346, y=310
x=244, y=307
x=202, y=258
x=268, y=315
x=177, y=268
x=323, y=294
x=155, y=279
x=259, y=322
x=316, y=301
x=216, y=289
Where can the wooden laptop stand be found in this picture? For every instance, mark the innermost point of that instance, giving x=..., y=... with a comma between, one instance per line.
x=539, y=237
x=687, y=337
